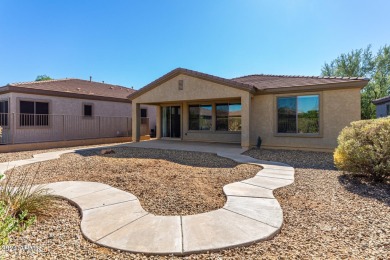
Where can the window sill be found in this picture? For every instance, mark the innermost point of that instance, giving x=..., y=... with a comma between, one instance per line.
x=213, y=132
x=33, y=127
x=298, y=135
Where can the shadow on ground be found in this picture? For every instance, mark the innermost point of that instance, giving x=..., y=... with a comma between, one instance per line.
x=194, y=159
x=364, y=187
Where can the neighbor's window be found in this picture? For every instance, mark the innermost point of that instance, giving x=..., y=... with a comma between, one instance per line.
x=200, y=117
x=298, y=114
x=88, y=110
x=4, y=113
x=388, y=109
x=228, y=117
x=144, y=112
x=34, y=113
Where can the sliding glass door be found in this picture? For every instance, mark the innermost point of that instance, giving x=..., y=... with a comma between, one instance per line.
x=171, y=121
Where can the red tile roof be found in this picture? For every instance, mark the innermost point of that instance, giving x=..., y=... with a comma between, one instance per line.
x=74, y=87
x=264, y=81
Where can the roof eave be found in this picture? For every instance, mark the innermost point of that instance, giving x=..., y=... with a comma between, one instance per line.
x=199, y=75
x=318, y=87
x=14, y=89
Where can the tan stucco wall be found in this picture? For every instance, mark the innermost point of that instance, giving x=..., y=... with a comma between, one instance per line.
x=195, y=91
x=338, y=108
x=74, y=107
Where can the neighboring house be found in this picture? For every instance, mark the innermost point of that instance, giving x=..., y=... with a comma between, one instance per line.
x=290, y=112
x=67, y=109
x=382, y=106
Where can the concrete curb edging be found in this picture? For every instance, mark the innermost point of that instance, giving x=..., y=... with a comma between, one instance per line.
x=114, y=218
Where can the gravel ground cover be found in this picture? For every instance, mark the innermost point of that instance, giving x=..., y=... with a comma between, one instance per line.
x=14, y=156
x=166, y=182
x=327, y=215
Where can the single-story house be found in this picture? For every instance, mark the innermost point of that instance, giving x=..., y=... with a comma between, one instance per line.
x=290, y=112
x=382, y=106
x=67, y=109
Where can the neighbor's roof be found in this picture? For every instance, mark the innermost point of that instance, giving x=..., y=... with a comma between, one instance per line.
x=262, y=83
x=76, y=88
x=381, y=100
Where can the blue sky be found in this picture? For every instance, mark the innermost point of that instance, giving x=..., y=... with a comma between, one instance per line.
x=131, y=43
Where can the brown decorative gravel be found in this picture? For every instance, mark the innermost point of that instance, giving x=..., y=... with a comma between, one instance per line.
x=166, y=182
x=327, y=215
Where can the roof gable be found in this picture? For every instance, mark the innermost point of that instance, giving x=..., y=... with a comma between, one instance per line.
x=180, y=71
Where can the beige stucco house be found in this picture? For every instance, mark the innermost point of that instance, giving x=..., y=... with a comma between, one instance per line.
x=288, y=112
x=67, y=109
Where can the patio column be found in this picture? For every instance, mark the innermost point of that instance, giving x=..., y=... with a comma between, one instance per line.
x=135, y=121
x=158, y=122
x=245, y=119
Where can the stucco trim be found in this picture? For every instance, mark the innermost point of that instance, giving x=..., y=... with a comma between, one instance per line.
x=195, y=74
x=14, y=89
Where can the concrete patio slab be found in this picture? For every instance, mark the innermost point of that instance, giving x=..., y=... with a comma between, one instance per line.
x=221, y=229
x=246, y=190
x=72, y=189
x=103, y=198
x=100, y=222
x=115, y=218
x=266, y=211
x=264, y=173
x=149, y=234
x=267, y=182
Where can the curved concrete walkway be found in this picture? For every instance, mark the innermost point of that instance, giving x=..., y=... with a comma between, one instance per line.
x=114, y=218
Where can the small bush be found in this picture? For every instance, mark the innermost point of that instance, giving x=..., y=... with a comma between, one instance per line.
x=20, y=203
x=9, y=223
x=364, y=148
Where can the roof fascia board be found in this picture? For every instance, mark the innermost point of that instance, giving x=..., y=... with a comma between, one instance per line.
x=177, y=72
x=14, y=89
x=321, y=87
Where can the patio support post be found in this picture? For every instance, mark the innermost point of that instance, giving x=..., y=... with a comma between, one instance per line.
x=158, y=122
x=136, y=121
x=246, y=100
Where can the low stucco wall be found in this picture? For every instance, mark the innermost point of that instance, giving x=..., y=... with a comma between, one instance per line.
x=338, y=108
x=61, y=144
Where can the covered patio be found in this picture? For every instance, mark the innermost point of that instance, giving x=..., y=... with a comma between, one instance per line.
x=196, y=107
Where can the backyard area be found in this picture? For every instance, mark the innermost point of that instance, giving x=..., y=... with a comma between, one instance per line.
x=327, y=213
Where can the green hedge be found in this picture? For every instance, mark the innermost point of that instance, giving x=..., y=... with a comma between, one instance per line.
x=364, y=148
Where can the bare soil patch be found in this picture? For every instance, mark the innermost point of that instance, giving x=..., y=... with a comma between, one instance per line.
x=166, y=182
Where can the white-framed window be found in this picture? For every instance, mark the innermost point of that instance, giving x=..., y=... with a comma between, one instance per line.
x=4, y=116
x=144, y=112
x=200, y=117
x=87, y=110
x=33, y=113
x=228, y=117
x=298, y=114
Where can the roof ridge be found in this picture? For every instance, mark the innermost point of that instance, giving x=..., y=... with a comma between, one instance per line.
x=300, y=76
x=38, y=82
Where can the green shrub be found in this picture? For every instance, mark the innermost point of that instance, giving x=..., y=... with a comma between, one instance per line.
x=364, y=148
x=20, y=194
x=20, y=203
x=9, y=223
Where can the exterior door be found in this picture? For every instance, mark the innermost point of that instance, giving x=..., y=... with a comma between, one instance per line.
x=171, y=121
